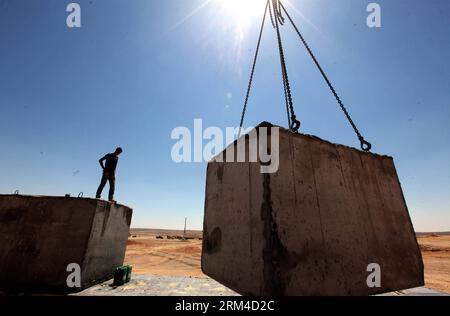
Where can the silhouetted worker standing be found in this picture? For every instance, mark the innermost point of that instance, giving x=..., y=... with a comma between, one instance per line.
x=109, y=173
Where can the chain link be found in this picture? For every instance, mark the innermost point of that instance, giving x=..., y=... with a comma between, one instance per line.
x=275, y=9
x=294, y=124
x=365, y=145
x=249, y=87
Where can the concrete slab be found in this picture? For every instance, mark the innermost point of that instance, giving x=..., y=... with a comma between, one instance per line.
x=153, y=285
x=311, y=228
x=40, y=236
x=418, y=291
x=149, y=285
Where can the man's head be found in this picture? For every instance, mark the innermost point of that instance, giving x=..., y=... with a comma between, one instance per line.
x=118, y=151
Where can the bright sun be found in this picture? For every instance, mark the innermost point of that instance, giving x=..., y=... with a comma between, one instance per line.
x=243, y=11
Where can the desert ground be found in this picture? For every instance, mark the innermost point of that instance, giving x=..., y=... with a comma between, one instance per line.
x=170, y=257
x=435, y=249
x=174, y=257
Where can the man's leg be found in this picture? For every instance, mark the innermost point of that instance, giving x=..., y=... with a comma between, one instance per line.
x=112, y=186
x=101, y=186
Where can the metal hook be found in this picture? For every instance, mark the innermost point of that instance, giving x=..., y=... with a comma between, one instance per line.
x=295, y=126
x=365, y=145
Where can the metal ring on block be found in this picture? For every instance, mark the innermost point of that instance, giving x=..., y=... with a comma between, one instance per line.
x=365, y=145
x=295, y=126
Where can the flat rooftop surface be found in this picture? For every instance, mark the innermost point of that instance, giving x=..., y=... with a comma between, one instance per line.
x=156, y=285
x=148, y=285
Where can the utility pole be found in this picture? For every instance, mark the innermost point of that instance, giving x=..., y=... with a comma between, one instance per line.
x=184, y=232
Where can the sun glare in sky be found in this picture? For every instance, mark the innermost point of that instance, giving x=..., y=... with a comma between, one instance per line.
x=243, y=12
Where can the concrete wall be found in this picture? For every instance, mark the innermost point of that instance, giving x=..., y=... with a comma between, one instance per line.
x=40, y=236
x=311, y=228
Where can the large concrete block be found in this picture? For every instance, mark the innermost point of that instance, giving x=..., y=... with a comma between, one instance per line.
x=41, y=236
x=311, y=228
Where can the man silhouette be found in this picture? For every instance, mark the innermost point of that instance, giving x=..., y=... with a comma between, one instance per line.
x=109, y=173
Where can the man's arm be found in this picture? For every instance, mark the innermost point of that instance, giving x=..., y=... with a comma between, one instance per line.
x=101, y=162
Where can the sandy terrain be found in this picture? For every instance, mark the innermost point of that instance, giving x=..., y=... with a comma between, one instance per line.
x=436, y=257
x=172, y=257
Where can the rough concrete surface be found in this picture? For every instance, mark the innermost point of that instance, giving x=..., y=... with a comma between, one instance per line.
x=149, y=285
x=311, y=228
x=41, y=236
x=142, y=285
x=157, y=285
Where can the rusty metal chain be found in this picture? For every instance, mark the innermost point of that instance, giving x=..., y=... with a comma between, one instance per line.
x=249, y=87
x=365, y=145
x=294, y=124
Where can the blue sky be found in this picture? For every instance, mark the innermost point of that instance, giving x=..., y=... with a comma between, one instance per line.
x=137, y=69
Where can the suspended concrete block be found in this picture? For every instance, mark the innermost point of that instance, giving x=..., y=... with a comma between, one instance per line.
x=42, y=237
x=320, y=225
